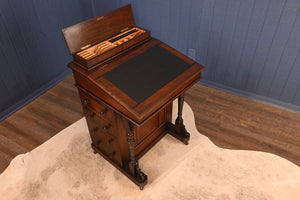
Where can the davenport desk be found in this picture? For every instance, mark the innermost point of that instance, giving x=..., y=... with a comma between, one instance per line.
x=127, y=82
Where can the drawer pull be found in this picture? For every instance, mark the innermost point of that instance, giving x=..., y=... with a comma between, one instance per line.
x=86, y=102
x=103, y=112
x=92, y=115
x=106, y=127
x=111, y=155
x=110, y=141
x=95, y=130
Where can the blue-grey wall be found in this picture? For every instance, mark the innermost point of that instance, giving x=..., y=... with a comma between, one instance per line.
x=249, y=47
x=33, y=54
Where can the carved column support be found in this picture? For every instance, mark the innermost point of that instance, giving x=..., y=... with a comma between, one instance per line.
x=134, y=168
x=179, y=120
x=179, y=130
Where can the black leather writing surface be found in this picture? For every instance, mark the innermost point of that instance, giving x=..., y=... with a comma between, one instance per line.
x=146, y=73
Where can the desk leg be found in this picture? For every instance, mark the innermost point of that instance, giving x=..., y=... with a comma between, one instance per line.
x=134, y=169
x=179, y=130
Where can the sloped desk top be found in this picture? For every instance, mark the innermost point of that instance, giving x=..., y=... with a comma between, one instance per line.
x=140, y=82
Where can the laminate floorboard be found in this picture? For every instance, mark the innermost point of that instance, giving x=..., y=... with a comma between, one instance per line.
x=235, y=122
x=229, y=121
x=38, y=121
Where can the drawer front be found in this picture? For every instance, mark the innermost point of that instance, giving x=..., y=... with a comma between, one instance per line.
x=102, y=135
x=100, y=109
x=98, y=123
x=147, y=129
x=151, y=132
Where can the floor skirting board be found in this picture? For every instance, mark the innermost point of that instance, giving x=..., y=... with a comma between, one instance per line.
x=12, y=109
x=250, y=95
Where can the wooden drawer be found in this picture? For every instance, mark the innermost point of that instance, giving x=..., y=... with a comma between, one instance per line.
x=99, y=124
x=101, y=110
x=147, y=129
x=102, y=135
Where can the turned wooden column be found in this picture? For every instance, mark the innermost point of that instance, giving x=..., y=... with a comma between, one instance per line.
x=178, y=130
x=179, y=120
x=133, y=164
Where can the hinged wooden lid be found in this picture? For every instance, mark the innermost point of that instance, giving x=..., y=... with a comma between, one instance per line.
x=97, y=29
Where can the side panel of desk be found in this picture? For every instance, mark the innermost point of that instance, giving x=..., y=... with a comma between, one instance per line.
x=109, y=129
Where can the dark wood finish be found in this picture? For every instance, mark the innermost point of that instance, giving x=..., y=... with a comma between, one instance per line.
x=126, y=119
x=179, y=131
x=113, y=52
x=134, y=169
x=214, y=111
x=95, y=30
x=91, y=81
x=85, y=39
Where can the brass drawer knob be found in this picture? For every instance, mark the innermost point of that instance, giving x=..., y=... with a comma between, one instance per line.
x=103, y=112
x=95, y=129
x=110, y=141
x=86, y=102
x=92, y=115
x=111, y=155
x=106, y=127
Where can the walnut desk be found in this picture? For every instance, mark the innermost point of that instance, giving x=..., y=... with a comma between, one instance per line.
x=127, y=101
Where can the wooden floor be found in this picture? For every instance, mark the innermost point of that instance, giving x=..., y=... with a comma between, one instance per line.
x=228, y=120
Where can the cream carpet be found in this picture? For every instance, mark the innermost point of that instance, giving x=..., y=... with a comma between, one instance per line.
x=65, y=167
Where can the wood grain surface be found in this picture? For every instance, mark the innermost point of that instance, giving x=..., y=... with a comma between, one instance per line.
x=38, y=121
x=235, y=122
x=228, y=120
